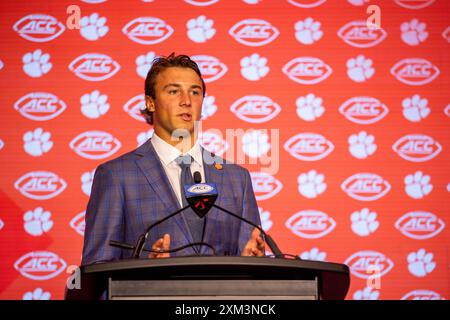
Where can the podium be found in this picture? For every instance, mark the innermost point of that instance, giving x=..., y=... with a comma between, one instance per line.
x=212, y=277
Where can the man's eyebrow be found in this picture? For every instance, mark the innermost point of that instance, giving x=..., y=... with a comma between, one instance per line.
x=194, y=86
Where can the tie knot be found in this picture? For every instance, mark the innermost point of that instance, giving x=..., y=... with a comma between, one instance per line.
x=184, y=161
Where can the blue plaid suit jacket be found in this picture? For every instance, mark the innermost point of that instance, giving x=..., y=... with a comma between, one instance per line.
x=132, y=191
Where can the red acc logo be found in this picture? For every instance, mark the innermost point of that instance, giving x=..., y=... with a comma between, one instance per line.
x=307, y=70
x=306, y=3
x=357, y=34
x=265, y=185
x=419, y=225
x=40, y=265
x=365, y=186
x=134, y=106
x=94, y=67
x=95, y=145
x=40, y=185
x=210, y=67
x=40, y=106
x=414, y=4
x=415, y=71
x=254, y=32
x=308, y=146
x=147, y=30
x=255, y=109
x=362, y=263
x=363, y=110
x=311, y=224
x=417, y=147
x=39, y=27
x=78, y=223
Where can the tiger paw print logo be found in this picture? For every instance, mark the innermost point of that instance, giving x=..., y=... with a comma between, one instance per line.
x=413, y=32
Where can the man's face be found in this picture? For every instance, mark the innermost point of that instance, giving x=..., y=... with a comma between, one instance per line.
x=178, y=103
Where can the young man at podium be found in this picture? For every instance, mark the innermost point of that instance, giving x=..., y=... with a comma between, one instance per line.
x=145, y=185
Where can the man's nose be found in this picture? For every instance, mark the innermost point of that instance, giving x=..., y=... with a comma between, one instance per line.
x=185, y=99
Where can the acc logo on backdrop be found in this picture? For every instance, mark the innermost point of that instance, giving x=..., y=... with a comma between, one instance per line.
x=40, y=185
x=134, y=106
x=255, y=109
x=147, y=30
x=94, y=67
x=78, y=223
x=40, y=106
x=39, y=27
x=210, y=67
x=422, y=295
x=365, y=186
x=201, y=3
x=265, y=185
x=307, y=70
x=213, y=143
x=311, y=224
x=363, y=110
x=309, y=146
x=417, y=147
x=415, y=71
x=360, y=262
x=95, y=145
x=306, y=3
x=357, y=34
x=414, y=4
x=419, y=225
x=40, y=265
x=254, y=32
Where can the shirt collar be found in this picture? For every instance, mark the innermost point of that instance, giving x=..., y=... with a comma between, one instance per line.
x=168, y=153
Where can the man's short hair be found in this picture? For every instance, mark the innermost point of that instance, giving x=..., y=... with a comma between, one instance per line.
x=161, y=63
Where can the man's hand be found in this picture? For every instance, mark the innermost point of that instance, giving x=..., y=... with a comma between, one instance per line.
x=161, y=244
x=255, y=245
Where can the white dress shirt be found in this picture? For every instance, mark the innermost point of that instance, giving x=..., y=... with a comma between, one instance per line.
x=167, y=154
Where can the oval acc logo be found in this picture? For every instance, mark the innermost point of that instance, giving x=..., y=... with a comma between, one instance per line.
x=415, y=71
x=310, y=224
x=134, y=106
x=265, y=185
x=201, y=3
x=422, y=295
x=307, y=70
x=78, y=223
x=363, y=263
x=254, y=32
x=210, y=67
x=419, y=225
x=147, y=30
x=39, y=27
x=40, y=106
x=95, y=145
x=40, y=265
x=414, y=4
x=213, y=142
x=306, y=3
x=363, y=110
x=309, y=146
x=94, y=67
x=40, y=185
x=417, y=147
x=357, y=34
x=255, y=109
x=365, y=186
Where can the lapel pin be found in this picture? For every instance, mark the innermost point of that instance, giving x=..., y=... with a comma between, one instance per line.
x=218, y=166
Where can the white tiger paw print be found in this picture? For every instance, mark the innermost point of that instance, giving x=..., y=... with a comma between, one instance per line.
x=361, y=145
x=2, y=144
x=311, y=184
x=37, y=294
x=266, y=223
x=360, y=69
x=309, y=107
x=255, y=143
x=86, y=182
x=420, y=263
x=92, y=27
x=94, y=104
x=415, y=108
x=144, y=63
x=200, y=29
x=366, y=294
x=209, y=107
x=418, y=185
x=37, y=222
x=254, y=67
x=37, y=142
x=36, y=64
x=1, y=64
x=413, y=32
x=364, y=222
x=144, y=136
x=308, y=31
x=313, y=254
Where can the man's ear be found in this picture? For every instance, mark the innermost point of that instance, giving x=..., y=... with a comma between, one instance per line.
x=149, y=103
